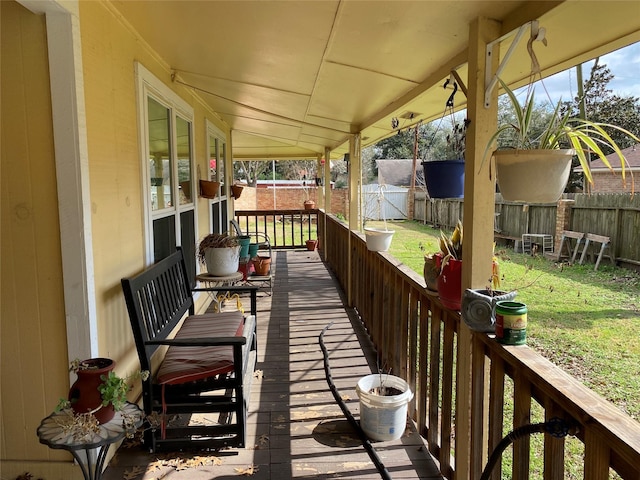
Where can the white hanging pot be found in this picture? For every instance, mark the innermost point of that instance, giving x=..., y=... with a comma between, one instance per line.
x=378, y=240
x=533, y=176
x=221, y=262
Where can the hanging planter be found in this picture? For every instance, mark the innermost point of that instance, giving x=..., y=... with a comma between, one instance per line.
x=444, y=178
x=378, y=240
x=236, y=191
x=533, y=176
x=209, y=189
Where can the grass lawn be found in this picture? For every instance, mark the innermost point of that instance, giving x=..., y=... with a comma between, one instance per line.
x=586, y=321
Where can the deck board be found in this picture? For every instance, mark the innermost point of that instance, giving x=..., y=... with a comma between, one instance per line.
x=296, y=429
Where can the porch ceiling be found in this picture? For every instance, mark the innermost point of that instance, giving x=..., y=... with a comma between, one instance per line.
x=291, y=77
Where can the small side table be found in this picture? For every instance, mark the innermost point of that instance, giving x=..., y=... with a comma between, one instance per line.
x=219, y=281
x=91, y=451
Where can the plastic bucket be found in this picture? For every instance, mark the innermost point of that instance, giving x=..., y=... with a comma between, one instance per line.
x=383, y=417
x=253, y=250
x=378, y=240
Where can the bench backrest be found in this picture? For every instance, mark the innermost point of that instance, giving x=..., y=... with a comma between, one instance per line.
x=157, y=299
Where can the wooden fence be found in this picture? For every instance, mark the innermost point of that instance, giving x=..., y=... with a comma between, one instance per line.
x=420, y=341
x=616, y=216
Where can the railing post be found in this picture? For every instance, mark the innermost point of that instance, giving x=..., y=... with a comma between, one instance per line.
x=355, y=223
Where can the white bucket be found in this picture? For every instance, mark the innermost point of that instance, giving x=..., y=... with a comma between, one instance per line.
x=383, y=417
x=378, y=240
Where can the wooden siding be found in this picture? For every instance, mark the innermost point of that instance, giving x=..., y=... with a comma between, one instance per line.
x=33, y=341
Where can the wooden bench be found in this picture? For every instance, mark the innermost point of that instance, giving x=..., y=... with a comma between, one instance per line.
x=207, y=367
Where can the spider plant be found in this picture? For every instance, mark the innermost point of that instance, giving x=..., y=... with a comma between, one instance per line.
x=562, y=131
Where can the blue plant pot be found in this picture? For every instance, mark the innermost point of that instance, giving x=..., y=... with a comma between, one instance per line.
x=444, y=178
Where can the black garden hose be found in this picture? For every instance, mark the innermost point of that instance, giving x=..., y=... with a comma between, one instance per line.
x=555, y=427
x=366, y=443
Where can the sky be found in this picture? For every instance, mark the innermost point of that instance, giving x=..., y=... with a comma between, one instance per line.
x=623, y=63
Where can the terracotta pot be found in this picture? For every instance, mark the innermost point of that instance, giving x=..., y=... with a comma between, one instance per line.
x=209, y=189
x=84, y=395
x=450, y=283
x=236, y=191
x=309, y=204
x=262, y=265
x=311, y=245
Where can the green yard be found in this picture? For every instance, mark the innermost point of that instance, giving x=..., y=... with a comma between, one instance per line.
x=585, y=321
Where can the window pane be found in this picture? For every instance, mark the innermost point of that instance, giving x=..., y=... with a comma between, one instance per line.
x=164, y=237
x=183, y=130
x=159, y=156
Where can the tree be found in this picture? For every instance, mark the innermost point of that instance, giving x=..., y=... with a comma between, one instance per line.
x=250, y=170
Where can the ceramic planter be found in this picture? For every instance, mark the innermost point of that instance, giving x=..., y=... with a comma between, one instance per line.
x=478, y=308
x=309, y=204
x=444, y=178
x=431, y=272
x=222, y=262
x=449, y=283
x=84, y=394
x=533, y=176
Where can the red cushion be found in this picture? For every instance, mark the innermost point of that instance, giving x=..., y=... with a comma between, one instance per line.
x=186, y=364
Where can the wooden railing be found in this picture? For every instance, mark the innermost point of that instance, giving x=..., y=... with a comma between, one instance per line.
x=286, y=228
x=511, y=386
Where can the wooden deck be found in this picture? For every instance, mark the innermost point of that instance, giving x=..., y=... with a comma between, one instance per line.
x=296, y=429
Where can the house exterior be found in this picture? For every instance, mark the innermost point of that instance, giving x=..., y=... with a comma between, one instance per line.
x=104, y=142
x=606, y=181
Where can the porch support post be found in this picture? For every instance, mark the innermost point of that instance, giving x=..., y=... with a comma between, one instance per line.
x=479, y=206
x=327, y=180
x=355, y=181
x=319, y=189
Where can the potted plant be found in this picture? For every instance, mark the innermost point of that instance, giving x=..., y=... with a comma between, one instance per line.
x=445, y=177
x=96, y=395
x=384, y=400
x=220, y=253
x=536, y=168
x=311, y=244
x=478, y=305
x=449, y=263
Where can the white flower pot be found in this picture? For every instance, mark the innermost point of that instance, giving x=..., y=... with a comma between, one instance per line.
x=378, y=240
x=533, y=176
x=221, y=262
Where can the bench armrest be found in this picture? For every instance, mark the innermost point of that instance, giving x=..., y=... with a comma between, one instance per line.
x=200, y=342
